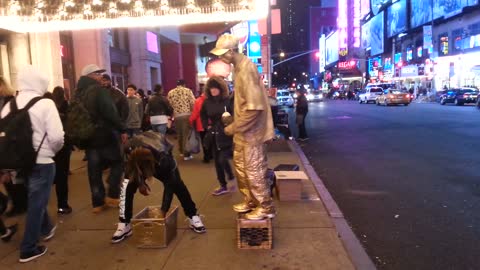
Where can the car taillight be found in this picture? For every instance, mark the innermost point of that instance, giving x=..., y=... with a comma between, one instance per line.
x=390, y=96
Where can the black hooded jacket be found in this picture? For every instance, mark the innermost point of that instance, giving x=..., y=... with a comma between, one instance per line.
x=212, y=110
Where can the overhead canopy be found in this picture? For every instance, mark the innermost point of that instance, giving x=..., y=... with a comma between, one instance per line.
x=56, y=15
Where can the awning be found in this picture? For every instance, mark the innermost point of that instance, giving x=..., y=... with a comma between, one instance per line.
x=44, y=15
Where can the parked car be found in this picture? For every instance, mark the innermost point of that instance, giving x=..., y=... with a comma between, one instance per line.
x=284, y=98
x=315, y=95
x=370, y=95
x=393, y=96
x=459, y=96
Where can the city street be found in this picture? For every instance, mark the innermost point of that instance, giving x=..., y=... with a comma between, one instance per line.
x=407, y=179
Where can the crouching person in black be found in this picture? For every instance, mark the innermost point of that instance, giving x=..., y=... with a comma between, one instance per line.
x=149, y=156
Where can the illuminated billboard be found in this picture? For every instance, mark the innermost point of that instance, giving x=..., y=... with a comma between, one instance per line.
x=397, y=18
x=342, y=26
x=364, y=8
x=449, y=8
x=422, y=14
x=331, y=48
x=376, y=34
x=366, y=35
x=254, y=40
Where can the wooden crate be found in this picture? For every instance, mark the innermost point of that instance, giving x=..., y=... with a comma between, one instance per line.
x=151, y=230
x=254, y=234
x=289, y=184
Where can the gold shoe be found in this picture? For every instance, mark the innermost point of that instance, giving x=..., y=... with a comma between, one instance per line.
x=111, y=202
x=261, y=213
x=243, y=207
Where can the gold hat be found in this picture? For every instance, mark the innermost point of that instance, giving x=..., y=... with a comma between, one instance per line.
x=224, y=43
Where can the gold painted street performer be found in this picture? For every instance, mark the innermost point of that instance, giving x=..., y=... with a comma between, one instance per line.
x=251, y=128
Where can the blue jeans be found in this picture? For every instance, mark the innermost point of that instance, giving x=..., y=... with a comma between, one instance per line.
x=160, y=128
x=38, y=223
x=109, y=156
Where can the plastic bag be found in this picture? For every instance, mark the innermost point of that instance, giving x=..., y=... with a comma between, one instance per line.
x=193, y=142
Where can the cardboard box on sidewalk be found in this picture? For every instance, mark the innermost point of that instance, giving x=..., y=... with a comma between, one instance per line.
x=254, y=234
x=289, y=184
x=152, y=230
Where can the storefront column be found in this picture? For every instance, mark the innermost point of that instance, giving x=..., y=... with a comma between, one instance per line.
x=91, y=47
x=19, y=56
x=46, y=55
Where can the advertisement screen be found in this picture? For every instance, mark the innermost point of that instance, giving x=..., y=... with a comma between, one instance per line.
x=375, y=5
x=152, y=42
x=376, y=34
x=331, y=48
x=449, y=8
x=397, y=18
x=422, y=14
x=366, y=35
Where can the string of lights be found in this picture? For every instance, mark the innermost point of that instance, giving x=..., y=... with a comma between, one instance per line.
x=42, y=15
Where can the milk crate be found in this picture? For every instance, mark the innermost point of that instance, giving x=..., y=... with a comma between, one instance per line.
x=254, y=234
x=289, y=184
x=151, y=230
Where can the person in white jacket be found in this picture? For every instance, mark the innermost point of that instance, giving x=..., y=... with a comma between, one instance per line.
x=45, y=120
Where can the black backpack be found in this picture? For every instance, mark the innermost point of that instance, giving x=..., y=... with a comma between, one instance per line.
x=16, y=144
x=80, y=126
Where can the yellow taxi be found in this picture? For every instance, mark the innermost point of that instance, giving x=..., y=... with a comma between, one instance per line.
x=393, y=96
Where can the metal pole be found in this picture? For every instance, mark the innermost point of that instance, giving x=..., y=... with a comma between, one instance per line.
x=293, y=57
x=269, y=47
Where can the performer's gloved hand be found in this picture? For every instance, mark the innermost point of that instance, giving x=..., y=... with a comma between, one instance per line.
x=144, y=189
x=229, y=130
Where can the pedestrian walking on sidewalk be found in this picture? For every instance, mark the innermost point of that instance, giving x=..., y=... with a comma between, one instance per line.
x=159, y=110
x=104, y=148
x=150, y=155
x=301, y=112
x=62, y=158
x=16, y=191
x=135, y=109
x=48, y=138
x=182, y=100
x=252, y=127
x=215, y=105
x=196, y=123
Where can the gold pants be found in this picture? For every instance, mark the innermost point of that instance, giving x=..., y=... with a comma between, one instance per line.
x=250, y=162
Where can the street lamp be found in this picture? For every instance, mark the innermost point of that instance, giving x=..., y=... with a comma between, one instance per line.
x=282, y=54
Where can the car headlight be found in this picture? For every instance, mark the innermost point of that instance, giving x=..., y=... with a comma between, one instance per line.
x=309, y=96
x=295, y=95
x=320, y=96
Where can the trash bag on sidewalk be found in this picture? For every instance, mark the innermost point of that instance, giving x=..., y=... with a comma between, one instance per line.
x=193, y=142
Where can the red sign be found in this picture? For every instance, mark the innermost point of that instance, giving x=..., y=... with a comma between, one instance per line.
x=347, y=65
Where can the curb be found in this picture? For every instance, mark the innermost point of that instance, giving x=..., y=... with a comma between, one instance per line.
x=357, y=253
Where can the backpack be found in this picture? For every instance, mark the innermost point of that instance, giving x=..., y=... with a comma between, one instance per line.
x=16, y=143
x=80, y=126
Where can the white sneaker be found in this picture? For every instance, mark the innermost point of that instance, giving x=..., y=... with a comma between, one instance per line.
x=123, y=231
x=50, y=234
x=188, y=158
x=196, y=224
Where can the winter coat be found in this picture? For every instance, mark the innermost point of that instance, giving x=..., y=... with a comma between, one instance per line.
x=212, y=110
x=195, y=119
x=302, y=105
x=121, y=103
x=135, y=115
x=102, y=109
x=159, y=109
x=43, y=115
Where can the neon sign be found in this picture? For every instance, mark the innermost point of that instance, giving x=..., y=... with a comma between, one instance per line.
x=342, y=24
x=356, y=23
x=347, y=65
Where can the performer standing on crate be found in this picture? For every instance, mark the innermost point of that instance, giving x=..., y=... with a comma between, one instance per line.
x=252, y=127
x=150, y=155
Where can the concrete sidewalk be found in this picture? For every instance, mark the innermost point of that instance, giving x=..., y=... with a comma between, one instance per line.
x=305, y=234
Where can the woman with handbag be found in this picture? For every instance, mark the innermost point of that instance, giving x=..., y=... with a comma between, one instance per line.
x=301, y=113
x=215, y=105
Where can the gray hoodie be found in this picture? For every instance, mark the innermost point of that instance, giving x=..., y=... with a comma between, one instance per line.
x=44, y=114
x=135, y=114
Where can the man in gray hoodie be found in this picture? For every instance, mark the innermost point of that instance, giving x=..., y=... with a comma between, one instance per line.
x=45, y=122
x=135, y=111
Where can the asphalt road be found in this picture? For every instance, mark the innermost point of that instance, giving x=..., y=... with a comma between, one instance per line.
x=406, y=178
